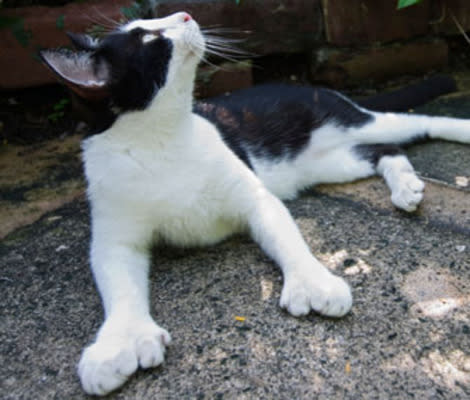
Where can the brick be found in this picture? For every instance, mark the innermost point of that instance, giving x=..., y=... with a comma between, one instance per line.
x=344, y=67
x=19, y=65
x=276, y=26
x=368, y=21
x=217, y=80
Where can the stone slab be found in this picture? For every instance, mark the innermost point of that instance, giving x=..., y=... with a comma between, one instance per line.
x=214, y=80
x=341, y=67
x=406, y=337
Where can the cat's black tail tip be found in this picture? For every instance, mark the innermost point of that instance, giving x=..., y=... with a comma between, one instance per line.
x=411, y=96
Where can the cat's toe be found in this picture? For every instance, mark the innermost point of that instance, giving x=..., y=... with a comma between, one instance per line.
x=331, y=297
x=150, y=348
x=409, y=193
x=106, y=365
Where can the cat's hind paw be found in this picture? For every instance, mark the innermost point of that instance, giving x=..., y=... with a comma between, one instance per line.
x=112, y=359
x=330, y=296
x=408, y=192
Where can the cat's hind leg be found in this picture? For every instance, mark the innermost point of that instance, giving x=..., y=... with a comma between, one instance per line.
x=346, y=164
x=392, y=164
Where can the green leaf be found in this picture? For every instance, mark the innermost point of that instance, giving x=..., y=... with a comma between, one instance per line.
x=8, y=22
x=16, y=26
x=60, y=22
x=406, y=3
x=22, y=35
x=132, y=12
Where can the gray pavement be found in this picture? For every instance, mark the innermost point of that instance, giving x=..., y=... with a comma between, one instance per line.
x=407, y=337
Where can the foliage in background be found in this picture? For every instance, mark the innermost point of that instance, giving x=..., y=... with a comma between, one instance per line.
x=137, y=9
x=58, y=110
x=16, y=25
x=407, y=3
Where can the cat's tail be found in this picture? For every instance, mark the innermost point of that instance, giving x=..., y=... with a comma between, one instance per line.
x=410, y=96
x=401, y=129
x=390, y=127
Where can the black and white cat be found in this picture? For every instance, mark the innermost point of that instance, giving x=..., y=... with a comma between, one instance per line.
x=164, y=169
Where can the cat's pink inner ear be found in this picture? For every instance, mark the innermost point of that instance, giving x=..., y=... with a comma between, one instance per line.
x=79, y=71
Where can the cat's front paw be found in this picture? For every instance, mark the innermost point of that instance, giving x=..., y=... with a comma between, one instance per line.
x=329, y=295
x=408, y=192
x=107, y=364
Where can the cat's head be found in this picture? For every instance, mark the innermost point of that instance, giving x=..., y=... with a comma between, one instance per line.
x=127, y=68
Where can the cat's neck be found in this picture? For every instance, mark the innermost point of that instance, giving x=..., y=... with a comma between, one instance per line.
x=166, y=117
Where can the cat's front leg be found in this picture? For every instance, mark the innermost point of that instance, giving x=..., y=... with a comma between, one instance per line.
x=308, y=285
x=128, y=338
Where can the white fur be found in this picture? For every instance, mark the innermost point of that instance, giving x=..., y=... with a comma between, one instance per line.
x=407, y=189
x=396, y=128
x=328, y=158
x=164, y=174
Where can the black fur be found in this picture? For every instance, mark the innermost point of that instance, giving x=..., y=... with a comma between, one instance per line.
x=411, y=96
x=137, y=71
x=133, y=73
x=277, y=120
x=374, y=152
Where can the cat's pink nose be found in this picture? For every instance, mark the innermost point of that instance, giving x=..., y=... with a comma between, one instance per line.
x=187, y=17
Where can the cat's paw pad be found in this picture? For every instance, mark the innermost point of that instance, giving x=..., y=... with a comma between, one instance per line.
x=329, y=296
x=107, y=364
x=409, y=192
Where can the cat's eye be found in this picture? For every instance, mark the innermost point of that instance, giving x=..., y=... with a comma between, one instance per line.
x=149, y=36
x=144, y=35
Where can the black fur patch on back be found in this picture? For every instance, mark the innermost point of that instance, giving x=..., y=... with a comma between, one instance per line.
x=277, y=120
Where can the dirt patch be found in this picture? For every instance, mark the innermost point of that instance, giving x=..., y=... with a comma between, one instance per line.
x=38, y=178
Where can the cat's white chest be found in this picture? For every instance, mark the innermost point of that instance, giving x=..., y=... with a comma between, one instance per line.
x=177, y=191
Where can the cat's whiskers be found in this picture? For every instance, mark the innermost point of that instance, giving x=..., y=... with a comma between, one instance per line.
x=223, y=47
x=105, y=27
x=111, y=22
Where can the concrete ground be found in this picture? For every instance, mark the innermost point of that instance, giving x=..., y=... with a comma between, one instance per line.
x=407, y=337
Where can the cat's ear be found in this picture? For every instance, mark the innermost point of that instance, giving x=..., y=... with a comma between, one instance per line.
x=81, y=72
x=83, y=41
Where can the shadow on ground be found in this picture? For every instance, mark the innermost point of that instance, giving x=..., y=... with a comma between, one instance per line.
x=407, y=336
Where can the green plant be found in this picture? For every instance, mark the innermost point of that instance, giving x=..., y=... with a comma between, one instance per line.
x=60, y=22
x=58, y=110
x=138, y=9
x=16, y=26
x=406, y=3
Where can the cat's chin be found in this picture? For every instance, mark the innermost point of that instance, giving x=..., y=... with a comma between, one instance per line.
x=194, y=41
x=193, y=57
